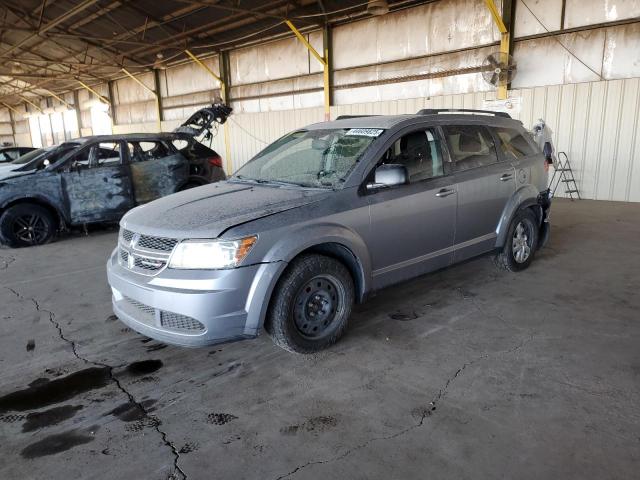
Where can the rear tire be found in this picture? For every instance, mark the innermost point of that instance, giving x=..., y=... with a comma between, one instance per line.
x=311, y=304
x=521, y=243
x=25, y=225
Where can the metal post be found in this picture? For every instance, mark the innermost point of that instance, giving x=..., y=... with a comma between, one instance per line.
x=76, y=104
x=504, y=41
x=155, y=94
x=156, y=87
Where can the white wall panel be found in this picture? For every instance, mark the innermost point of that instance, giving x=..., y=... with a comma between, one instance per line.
x=548, y=13
x=423, y=30
x=590, y=12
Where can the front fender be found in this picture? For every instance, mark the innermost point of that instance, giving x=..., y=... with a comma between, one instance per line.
x=288, y=246
x=524, y=197
x=304, y=237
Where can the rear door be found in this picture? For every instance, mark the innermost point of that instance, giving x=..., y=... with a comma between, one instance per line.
x=412, y=226
x=97, y=184
x=157, y=169
x=484, y=183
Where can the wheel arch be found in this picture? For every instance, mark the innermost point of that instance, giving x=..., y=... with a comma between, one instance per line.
x=524, y=197
x=55, y=212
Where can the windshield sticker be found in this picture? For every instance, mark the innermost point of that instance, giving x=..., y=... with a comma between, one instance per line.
x=365, y=132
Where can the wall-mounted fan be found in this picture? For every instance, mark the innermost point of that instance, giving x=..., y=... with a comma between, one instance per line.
x=499, y=69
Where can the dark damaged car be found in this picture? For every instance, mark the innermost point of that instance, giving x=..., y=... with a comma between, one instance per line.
x=95, y=179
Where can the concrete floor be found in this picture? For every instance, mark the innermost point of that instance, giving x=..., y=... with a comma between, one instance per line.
x=468, y=373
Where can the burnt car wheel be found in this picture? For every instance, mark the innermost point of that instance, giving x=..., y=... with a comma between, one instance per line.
x=521, y=242
x=311, y=304
x=26, y=225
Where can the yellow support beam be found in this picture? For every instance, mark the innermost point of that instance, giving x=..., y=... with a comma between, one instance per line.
x=223, y=92
x=305, y=42
x=505, y=39
x=324, y=60
x=100, y=97
x=10, y=108
x=155, y=94
x=223, y=95
x=58, y=98
x=37, y=107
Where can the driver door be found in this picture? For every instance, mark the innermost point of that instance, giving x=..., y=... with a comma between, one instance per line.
x=97, y=184
x=413, y=225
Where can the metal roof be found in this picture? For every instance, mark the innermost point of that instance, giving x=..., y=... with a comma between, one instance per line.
x=49, y=46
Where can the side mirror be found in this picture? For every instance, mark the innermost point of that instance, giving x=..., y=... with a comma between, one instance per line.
x=389, y=175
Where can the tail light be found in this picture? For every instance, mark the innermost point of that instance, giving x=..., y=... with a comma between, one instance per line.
x=215, y=161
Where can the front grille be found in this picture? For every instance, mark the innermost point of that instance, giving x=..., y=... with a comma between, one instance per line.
x=176, y=321
x=144, y=254
x=148, y=264
x=168, y=320
x=141, y=306
x=157, y=243
x=127, y=235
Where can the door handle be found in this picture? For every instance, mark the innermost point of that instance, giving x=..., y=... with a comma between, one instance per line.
x=506, y=176
x=118, y=175
x=445, y=193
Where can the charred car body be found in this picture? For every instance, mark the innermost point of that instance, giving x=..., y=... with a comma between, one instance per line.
x=323, y=217
x=98, y=179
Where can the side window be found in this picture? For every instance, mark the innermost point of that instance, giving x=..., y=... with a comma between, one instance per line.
x=180, y=144
x=470, y=146
x=420, y=152
x=106, y=154
x=79, y=160
x=153, y=150
x=513, y=144
x=4, y=157
x=13, y=154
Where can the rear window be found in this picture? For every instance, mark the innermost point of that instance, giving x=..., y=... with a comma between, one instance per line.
x=471, y=146
x=513, y=144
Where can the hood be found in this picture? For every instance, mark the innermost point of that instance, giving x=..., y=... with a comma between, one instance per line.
x=9, y=173
x=206, y=212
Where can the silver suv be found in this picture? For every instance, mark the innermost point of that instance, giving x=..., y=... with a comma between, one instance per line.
x=323, y=217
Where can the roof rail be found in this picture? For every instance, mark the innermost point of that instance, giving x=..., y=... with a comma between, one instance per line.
x=344, y=117
x=435, y=111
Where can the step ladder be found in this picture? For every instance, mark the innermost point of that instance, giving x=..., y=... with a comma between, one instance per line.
x=562, y=174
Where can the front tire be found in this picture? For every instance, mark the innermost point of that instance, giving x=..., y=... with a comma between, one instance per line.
x=521, y=242
x=25, y=225
x=311, y=304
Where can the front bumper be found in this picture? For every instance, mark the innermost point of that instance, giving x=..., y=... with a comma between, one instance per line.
x=193, y=307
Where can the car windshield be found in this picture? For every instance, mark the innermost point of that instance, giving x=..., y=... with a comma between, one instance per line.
x=310, y=158
x=27, y=157
x=52, y=154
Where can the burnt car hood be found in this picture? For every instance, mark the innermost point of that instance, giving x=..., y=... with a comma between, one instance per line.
x=206, y=212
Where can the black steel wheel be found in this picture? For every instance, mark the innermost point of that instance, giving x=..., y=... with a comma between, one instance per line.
x=25, y=225
x=316, y=306
x=311, y=304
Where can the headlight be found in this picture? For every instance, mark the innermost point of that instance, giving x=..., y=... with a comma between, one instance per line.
x=210, y=254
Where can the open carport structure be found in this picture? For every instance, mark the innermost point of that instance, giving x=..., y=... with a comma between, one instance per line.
x=469, y=372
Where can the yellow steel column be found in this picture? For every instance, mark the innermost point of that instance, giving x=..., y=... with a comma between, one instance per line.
x=504, y=41
x=155, y=94
x=325, y=65
x=223, y=95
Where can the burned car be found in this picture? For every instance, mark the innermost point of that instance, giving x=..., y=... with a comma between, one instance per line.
x=323, y=217
x=89, y=180
x=98, y=179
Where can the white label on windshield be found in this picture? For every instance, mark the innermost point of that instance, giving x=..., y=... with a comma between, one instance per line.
x=365, y=132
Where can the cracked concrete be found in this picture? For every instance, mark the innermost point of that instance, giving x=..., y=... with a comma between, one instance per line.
x=467, y=373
